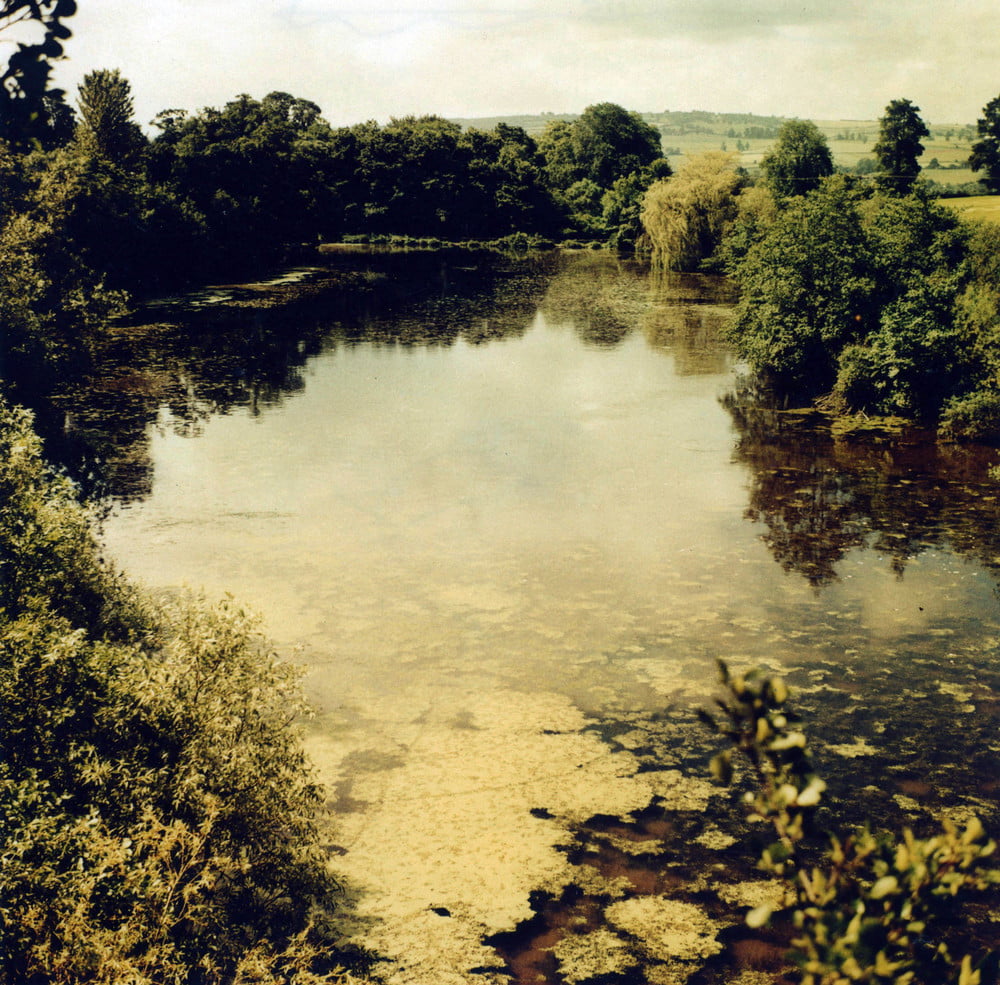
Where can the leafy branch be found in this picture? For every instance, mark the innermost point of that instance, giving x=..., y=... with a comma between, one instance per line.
x=871, y=909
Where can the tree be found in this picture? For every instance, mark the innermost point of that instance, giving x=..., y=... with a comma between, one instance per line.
x=686, y=215
x=107, y=118
x=599, y=166
x=556, y=147
x=250, y=178
x=622, y=203
x=807, y=290
x=898, y=147
x=798, y=161
x=986, y=151
x=610, y=142
x=24, y=81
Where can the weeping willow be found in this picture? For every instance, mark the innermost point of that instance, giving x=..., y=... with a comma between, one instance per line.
x=686, y=215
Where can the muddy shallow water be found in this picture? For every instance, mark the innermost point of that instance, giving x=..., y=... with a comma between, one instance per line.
x=507, y=514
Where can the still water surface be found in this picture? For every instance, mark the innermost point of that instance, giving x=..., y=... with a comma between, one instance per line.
x=507, y=521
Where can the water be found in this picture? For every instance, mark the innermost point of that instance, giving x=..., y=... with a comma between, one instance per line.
x=507, y=514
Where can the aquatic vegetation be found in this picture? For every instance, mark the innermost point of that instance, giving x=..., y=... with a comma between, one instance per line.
x=873, y=906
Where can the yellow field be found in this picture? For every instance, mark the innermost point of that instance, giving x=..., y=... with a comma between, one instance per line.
x=984, y=207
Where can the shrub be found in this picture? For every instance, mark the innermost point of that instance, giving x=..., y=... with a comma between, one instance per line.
x=974, y=416
x=158, y=819
x=870, y=909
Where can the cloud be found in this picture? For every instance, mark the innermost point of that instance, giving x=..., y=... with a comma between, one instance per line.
x=475, y=58
x=713, y=21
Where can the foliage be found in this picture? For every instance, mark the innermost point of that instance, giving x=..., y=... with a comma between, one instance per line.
x=427, y=177
x=974, y=412
x=807, y=288
x=49, y=559
x=600, y=165
x=248, y=179
x=986, y=150
x=886, y=303
x=609, y=142
x=687, y=216
x=898, y=146
x=25, y=118
x=799, y=160
x=869, y=909
x=621, y=204
x=915, y=358
x=107, y=118
x=158, y=821
x=57, y=230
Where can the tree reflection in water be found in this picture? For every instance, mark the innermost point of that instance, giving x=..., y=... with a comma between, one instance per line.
x=177, y=363
x=897, y=492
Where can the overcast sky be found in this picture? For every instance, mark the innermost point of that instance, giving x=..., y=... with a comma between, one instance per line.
x=373, y=59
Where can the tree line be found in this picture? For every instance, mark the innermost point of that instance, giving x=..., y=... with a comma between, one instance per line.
x=241, y=182
x=93, y=212
x=865, y=295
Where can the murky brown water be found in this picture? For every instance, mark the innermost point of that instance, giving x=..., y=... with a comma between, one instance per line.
x=508, y=514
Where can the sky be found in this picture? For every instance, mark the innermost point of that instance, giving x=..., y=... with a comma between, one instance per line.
x=375, y=59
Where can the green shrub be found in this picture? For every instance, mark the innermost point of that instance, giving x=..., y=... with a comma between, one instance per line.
x=870, y=909
x=158, y=819
x=49, y=557
x=974, y=416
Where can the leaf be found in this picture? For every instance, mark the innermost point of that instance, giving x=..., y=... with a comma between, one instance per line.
x=884, y=887
x=759, y=916
x=968, y=976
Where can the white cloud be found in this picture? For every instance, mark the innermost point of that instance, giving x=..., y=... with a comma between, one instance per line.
x=471, y=57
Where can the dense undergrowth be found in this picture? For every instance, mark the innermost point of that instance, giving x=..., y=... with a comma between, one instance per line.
x=158, y=819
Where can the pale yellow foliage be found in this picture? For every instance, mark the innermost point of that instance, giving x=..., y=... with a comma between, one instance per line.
x=686, y=215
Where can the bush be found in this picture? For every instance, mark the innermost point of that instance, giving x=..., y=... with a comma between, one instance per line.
x=973, y=417
x=870, y=910
x=158, y=819
x=807, y=290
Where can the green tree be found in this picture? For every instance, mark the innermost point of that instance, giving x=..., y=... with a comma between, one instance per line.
x=609, y=142
x=621, y=204
x=599, y=166
x=985, y=155
x=556, y=147
x=25, y=78
x=807, y=290
x=898, y=147
x=55, y=300
x=867, y=298
x=799, y=160
x=107, y=118
x=248, y=179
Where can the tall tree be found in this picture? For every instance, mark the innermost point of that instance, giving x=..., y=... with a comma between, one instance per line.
x=986, y=151
x=24, y=80
x=798, y=161
x=609, y=142
x=107, y=117
x=898, y=147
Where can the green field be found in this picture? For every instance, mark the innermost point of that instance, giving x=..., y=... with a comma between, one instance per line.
x=946, y=150
x=984, y=207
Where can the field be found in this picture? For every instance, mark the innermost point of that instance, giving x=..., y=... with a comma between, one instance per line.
x=984, y=207
x=683, y=134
